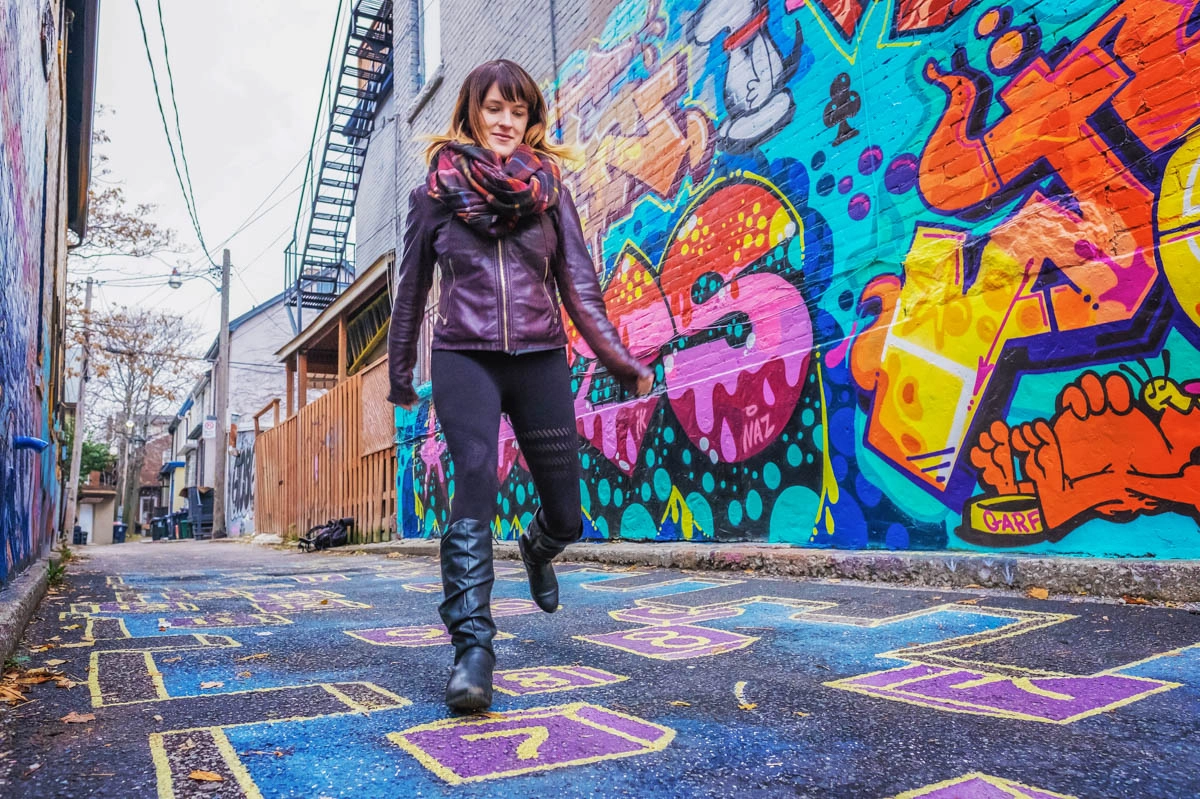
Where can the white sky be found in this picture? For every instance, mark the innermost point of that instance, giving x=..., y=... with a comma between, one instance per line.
x=247, y=79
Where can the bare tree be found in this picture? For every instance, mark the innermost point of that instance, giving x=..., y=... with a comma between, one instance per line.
x=144, y=363
x=114, y=227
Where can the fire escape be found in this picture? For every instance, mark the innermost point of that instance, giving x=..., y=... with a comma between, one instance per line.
x=319, y=260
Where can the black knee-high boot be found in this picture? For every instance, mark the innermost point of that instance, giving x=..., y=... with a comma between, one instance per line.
x=538, y=549
x=467, y=577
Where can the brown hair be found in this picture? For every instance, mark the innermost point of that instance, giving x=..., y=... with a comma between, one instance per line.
x=516, y=86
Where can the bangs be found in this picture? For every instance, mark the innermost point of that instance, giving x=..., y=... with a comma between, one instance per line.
x=513, y=82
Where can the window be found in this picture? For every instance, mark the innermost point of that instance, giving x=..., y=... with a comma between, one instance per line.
x=429, y=39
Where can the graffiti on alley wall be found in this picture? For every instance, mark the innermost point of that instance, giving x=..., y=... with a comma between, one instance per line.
x=26, y=479
x=912, y=274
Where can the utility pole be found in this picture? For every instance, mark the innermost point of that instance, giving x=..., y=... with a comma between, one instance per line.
x=221, y=379
x=71, y=506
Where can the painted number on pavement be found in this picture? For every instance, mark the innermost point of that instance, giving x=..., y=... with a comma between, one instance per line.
x=528, y=741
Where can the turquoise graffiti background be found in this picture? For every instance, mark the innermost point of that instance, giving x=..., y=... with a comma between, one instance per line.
x=853, y=210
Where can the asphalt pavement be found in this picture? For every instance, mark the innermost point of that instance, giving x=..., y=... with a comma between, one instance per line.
x=222, y=669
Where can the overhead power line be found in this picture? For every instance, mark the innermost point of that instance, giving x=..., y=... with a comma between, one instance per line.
x=185, y=186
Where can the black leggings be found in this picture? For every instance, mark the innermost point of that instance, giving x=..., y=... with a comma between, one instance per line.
x=470, y=391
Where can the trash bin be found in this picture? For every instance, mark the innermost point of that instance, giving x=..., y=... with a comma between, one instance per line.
x=185, y=525
x=119, y=533
x=158, y=528
x=79, y=537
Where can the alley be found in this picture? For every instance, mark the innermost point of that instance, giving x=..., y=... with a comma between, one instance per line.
x=224, y=669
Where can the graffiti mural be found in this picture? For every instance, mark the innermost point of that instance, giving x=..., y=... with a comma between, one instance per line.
x=916, y=274
x=27, y=480
x=240, y=503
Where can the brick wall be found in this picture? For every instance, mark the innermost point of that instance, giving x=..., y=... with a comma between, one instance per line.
x=918, y=274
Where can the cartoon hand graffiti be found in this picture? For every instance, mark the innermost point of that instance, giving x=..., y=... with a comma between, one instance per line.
x=1106, y=452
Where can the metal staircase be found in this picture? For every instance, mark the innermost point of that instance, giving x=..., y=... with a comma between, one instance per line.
x=319, y=260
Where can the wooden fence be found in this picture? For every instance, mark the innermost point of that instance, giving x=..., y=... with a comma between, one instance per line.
x=334, y=458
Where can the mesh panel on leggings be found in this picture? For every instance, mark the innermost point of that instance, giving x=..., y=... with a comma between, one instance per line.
x=554, y=449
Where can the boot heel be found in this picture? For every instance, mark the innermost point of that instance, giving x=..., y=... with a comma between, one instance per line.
x=543, y=583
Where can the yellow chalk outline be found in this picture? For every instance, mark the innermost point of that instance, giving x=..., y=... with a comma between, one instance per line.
x=564, y=711
x=679, y=654
x=162, y=765
x=572, y=670
x=319, y=579
x=894, y=693
x=266, y=620
x=430, y=642
x=996, y=782
x=706, y=582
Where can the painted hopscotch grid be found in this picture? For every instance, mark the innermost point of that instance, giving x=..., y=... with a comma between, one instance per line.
x=527, y=741
x=551, y=679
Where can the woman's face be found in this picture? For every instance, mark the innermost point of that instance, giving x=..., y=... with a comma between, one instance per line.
x=504, y=122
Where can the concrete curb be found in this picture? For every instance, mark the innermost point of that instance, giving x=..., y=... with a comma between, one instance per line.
x=18, y=600
x=1165, y=580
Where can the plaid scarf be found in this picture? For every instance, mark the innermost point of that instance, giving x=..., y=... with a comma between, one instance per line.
x=489, y=193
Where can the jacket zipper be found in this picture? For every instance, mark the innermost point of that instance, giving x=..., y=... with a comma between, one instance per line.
x=503, y=294
x=444, y=299
x=546, y=291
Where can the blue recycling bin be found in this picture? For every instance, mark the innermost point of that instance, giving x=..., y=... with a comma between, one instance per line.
x=119, y=533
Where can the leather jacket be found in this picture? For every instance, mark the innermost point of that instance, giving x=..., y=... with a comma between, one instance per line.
x=499, y=294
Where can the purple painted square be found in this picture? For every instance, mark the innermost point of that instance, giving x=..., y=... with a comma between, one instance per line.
x=669, y=615
x=673, y=642
x=546, y=679
x=425, y=635
x=1054, y=699
x=472, y=750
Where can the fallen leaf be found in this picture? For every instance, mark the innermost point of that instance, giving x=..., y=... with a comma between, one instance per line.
x=157, y=717
x=974, y=585
x=259, y=656
x=206, y=776
x=8, y=694
x=188, y=744
x=63, y=682
x=54, y=638
x=175, y=659
x=802, y=714
x=213, y=684
x=324, y=601
x=35, y=680
x=748, y=706
x=968, y=601
x=32, y=769
x=55, y=662
x=1038, y=593
x=1136, y=600
x=78, y=718
x=243, y=674
x=72, y=627
x=681, y=703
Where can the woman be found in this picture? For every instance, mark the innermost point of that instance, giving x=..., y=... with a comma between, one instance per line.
x=495, y=217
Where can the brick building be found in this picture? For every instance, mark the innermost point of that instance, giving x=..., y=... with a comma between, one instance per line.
x=47, y=74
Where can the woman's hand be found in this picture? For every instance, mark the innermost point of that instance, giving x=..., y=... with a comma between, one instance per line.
x=644, y=384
